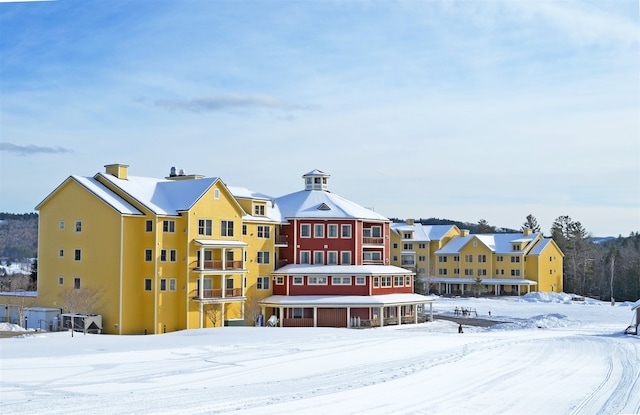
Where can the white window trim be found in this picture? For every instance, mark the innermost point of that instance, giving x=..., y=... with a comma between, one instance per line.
x=337, y=228
x=346, y=226
x=308, y=253
x=304, y=225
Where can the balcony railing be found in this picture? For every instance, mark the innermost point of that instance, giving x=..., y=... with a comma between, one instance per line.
x=366, y=240
x=209, y=294
x=281, y=240
x=216, y=265
x=372, y=261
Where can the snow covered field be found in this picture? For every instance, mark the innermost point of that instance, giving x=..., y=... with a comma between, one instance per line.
x=554, y=356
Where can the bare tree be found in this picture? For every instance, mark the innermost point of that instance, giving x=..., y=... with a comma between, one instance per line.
x=80, y=301
x=212, y=311
x=251, y=308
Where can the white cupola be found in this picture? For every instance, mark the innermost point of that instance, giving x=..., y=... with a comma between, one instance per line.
x=316, y=180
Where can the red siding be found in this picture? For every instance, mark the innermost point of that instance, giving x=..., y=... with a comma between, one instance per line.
x=327, y=289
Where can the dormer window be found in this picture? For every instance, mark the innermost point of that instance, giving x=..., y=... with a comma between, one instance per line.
x=516, y=247
x=258, y=210
x=407, y=235
x=316, y=180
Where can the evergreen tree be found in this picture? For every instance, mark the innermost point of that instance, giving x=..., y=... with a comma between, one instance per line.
x=484, y=227
x=530, y=223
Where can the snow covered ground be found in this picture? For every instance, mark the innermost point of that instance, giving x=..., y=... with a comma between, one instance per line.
x=553, y=356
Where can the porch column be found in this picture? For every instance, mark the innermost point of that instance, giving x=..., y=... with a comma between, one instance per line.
x=224, y=258
x=381, y=313
x=281, y=316
x=398, y=312
x=201, y=315
x=315, y=316
x=415, y=313
x=223, y=284
x=496, y=289
x=519, y=290
x=431, y=312
x=222, y=308
x=462, y=289
x=348, y=317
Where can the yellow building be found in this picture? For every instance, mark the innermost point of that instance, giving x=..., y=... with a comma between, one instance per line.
x=413, y=246
x=165, y=254
x=454, y=262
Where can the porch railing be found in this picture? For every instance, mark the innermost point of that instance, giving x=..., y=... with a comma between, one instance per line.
x=367, y=240
x=217, y=265
x=281, y=240
x=209, y=293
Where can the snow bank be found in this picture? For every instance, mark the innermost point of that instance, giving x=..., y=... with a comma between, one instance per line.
x=10, y=327
x=557, y=298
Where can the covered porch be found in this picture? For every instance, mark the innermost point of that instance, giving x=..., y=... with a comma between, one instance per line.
x=497, y=286
x=348, y=311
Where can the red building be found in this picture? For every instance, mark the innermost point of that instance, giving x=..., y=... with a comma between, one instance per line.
x=335, y=268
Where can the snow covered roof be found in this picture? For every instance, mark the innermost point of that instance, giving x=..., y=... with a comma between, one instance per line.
x=307, y=269
x=272, y=213
x=219, y=243
x=500, y=243
x=102, y=192
x=162, y=196
x=321, y=204
x=422, y=232
x=345, y=300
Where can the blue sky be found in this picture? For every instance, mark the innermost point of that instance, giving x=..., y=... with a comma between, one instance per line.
x=463, y=110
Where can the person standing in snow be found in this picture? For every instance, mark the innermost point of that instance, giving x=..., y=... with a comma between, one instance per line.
x=460, y=328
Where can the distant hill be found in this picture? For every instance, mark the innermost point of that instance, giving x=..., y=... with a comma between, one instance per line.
x=18, y=236
x=471, y=227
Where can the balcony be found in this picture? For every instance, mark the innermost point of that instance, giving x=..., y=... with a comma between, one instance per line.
x=281, y=240
x=217, y=265
x=372, y=262
x=367, y=240
x=216, y=294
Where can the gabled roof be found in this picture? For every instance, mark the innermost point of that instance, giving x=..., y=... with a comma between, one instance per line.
x=162, y=196
x=499, y=243
x=307, y=204
x=272, y=212
x=101, y=192
x=307, y=269
x=422, y=232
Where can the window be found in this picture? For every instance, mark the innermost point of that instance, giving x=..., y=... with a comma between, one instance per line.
x=60, y=280
x=422, y=246
x=163, y=255
x=147, y=284
x=226, y=228
x=468, y=272
x=172, y=284
x=305, y=230
x=262, y=283
x=468, y=258
x=398, y=281
x=318, y=257
x=456, y=271
x=482, y=258
x=395, y=258
x=340, y=280
x=516, y=247
x=169, y=226
x=61, y=253
x=244, y=230
x=258, y=210
x=318, y=230
x=408, y=235
x=205, y=227
x=77, y=255
x=305, y=257
x=216, y=194
x=482, y=272
x=298, y=280
x=61, y=225
x=515, y=259
x=332, y=231
x=163, y=284
x=263, y=257
x=422, y=258
x=456, y=258
x=515, y=272
x=264, y=232
x=346, y=231
x=148, y=255
x=395, y=246
x=361, y=280
x=442, y=259
x=499, y=258
x=280, y=280
x=442, y=271
x=332, y=258
x=376, y=282
x=317, y=280
x=172, y=255
x=407, y=281
x=372, y=256
x=408, y=247
x=148, y=226
x=78, y=226
x=345, y=257
x=386, y=282
x=297, y=312
x=76, y=283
